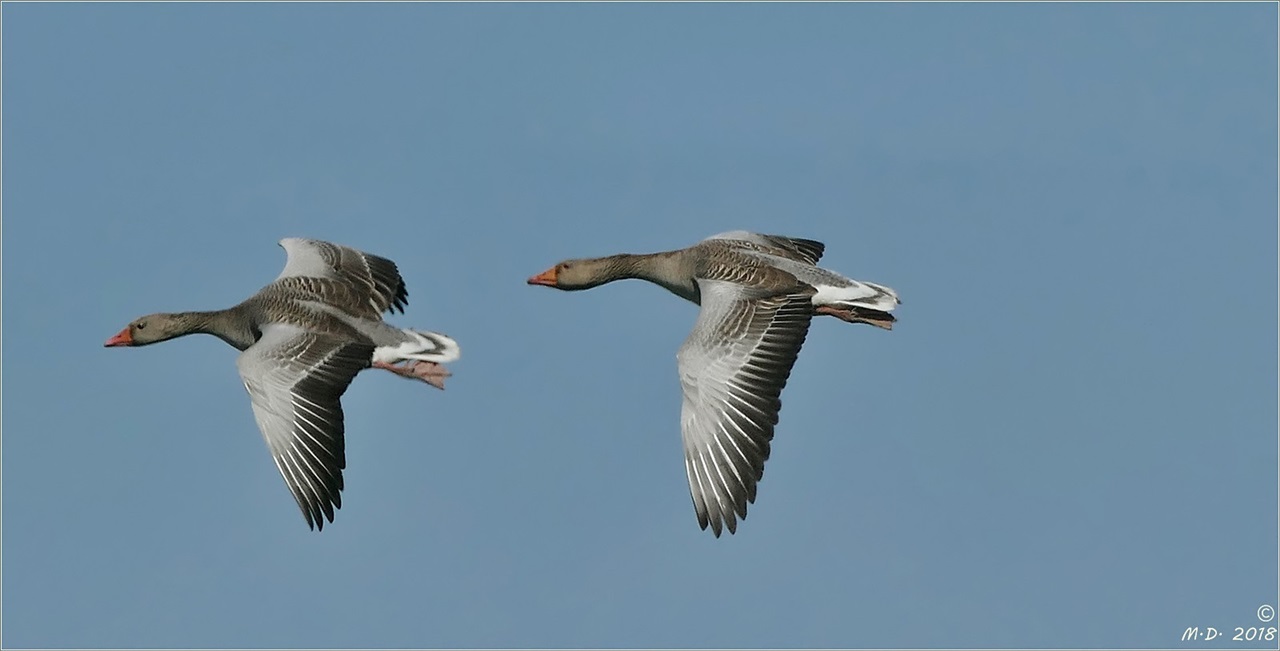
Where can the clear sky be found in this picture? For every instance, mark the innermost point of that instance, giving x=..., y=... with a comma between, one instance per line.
x=1069, y=439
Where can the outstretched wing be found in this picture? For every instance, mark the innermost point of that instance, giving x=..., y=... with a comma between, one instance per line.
x=733, y=368
x=295, y=380
x=807, y=251
x=368, y=275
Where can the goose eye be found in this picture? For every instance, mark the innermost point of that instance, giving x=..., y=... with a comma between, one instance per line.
x=142, y=326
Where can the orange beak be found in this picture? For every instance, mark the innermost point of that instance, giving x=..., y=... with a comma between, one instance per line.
x=123, y=338
x=547, y=278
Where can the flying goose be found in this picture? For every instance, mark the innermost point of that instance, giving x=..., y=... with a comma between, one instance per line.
x=303, y=338
x=757, y=295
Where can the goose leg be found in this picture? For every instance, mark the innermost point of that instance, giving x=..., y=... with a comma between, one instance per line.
x=429, y=372
x=854, y=314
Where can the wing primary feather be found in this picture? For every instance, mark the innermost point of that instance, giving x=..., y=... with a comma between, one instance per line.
x=295, y=379
x=733, y=368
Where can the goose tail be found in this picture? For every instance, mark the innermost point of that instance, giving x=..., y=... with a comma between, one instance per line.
x=861, y=302
x=421, y=345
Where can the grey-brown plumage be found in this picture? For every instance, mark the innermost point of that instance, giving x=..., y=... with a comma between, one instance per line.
x=304, y=337
x=758, y=294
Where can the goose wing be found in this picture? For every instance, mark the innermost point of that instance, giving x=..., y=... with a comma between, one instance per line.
x=806, y=251
x=374, y=278
x=295, y=379
x=733, y=368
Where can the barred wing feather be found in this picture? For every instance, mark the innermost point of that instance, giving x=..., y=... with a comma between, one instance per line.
x=733, y=368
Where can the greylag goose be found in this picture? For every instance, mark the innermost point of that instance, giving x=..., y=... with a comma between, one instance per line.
x=303, y=339
x=757, y=295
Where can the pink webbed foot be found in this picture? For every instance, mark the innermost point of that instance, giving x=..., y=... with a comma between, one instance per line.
x=859, y=315
x=429, y=372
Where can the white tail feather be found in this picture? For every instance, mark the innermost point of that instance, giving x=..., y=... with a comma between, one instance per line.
x=425, y=346
x=859, y=294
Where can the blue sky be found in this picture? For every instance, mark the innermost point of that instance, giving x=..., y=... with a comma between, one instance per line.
x=1068, y=441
